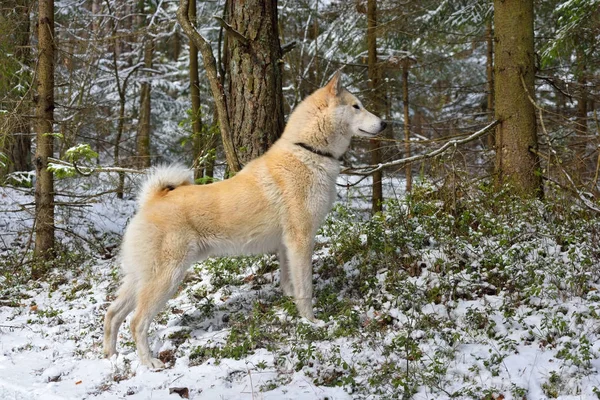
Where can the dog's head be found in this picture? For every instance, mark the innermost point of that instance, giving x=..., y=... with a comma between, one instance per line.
x=348, y=112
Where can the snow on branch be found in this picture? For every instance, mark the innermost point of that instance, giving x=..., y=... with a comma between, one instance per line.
x=86, y=171
x=369, y=169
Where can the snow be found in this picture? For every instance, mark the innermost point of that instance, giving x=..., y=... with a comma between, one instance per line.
x=51, y=334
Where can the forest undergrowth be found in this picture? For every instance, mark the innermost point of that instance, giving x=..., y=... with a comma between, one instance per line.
x=475, y=296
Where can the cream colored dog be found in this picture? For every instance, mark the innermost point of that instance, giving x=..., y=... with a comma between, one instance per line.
x=275, y=204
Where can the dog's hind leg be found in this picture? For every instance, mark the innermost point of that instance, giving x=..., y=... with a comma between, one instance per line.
x=153, y=294
x=116, y=314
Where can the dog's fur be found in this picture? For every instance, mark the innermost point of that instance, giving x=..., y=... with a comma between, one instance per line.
x=275, y=204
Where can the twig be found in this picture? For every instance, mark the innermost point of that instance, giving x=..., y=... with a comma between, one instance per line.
x=369, y=169
x=237, y=35
x=80, y=171
x=553, y=84
x=286, y=48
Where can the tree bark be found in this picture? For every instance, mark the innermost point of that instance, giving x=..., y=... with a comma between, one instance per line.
x=514, y=54
x=44, y=188
x=195, y=95
x=408, y=168
x=582, y=99
x=376, y=106
x=143, y=136
x=490, y=78
x=255, y=79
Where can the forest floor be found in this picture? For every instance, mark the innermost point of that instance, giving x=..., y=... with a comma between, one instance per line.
x=436, y=298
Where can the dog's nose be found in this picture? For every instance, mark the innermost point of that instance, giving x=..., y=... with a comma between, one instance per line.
x=383, y=125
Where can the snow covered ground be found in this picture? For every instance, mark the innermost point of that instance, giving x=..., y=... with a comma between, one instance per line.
x=410, y=313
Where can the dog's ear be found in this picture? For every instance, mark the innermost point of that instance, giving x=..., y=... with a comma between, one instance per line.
x=334, y=86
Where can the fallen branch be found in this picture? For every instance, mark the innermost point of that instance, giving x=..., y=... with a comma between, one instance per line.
x=369, y=169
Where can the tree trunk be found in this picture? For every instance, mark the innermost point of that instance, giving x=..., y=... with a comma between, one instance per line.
x=143, y=136
x=15, y=142
x=254, y=82
x=216, y=85
x=490, y=78
x=408, y=168
x=44, y=187
x=121, y=122
x=376, y=103
x=195, y=95
x=514, y=75
x=582, y=99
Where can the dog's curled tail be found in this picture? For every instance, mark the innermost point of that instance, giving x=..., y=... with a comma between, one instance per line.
x=163, y=178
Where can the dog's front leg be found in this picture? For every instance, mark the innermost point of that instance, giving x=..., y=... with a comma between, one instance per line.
x=285, y=280
x=299, y=247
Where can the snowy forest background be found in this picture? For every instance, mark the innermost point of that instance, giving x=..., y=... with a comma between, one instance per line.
x=447, y=285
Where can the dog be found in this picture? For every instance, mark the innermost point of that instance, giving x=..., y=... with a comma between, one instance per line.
x=275, y=203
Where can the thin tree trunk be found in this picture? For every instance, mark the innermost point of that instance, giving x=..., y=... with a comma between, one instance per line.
x=490, y=79
x=582, y=100
x=195, y=95
x=514, y=74
x=44, y=188
x=143, y=136
x=579, y=139
x=408, y=168
x=15, y=142
x=374, y=144
x=255, y=77
x=120, y=122
x=121, y=89
x=216, y=86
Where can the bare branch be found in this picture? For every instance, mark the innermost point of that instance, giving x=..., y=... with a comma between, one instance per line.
x=369, y=169
x=86, y=171
x=286, y=48
x=235, y=34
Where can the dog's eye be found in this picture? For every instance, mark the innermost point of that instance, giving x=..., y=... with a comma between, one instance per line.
x=356, y=106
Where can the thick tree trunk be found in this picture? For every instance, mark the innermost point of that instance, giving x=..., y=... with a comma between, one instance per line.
x=254, y=82
x=44, y=188
x=514, y=74
x=143, y=136
x=376, y=103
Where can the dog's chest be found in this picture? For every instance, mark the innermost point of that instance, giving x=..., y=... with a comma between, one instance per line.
x=322, y=192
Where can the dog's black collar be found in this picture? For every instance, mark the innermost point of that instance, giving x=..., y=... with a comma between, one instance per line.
x=317, y=151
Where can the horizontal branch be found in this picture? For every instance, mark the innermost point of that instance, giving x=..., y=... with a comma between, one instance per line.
x=89, y=170
x=369, y=169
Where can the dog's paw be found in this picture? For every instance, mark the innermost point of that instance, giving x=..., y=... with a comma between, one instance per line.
x=153, y=363
x=316, y=323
